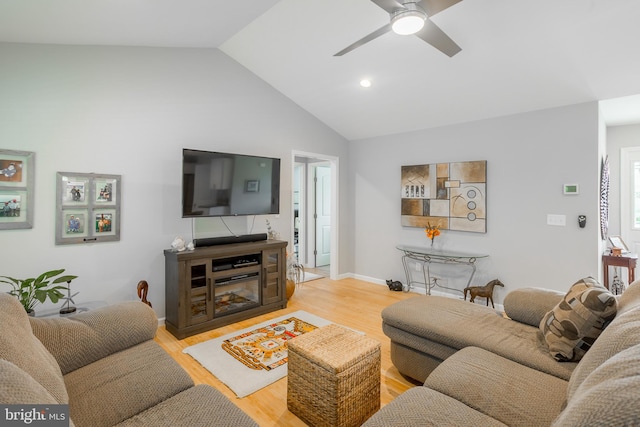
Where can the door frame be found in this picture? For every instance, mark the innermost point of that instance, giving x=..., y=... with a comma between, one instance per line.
x=333, y=163
x=626, y=197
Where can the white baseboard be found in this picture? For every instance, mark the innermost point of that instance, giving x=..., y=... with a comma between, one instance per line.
x=421, y=290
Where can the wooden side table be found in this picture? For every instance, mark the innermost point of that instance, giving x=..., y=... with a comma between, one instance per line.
x=628, y=261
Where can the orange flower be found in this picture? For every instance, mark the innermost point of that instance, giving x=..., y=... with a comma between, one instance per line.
x=431, y=231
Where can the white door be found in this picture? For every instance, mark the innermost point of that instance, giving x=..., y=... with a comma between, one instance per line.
x=323, y=215
x=630, y=197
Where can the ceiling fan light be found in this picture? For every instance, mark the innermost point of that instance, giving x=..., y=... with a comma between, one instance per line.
x=408, y=22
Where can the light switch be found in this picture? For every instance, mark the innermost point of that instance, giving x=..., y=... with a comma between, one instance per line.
x=559, y=220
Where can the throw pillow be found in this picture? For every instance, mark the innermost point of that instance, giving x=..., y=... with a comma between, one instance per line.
x=573, y=325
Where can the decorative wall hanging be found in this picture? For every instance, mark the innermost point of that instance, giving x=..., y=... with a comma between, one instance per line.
x=88, y=208
x=17, y=174
x=604, y=198
x=450, y=196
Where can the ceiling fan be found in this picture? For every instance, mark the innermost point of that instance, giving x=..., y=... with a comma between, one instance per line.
x=412, y=17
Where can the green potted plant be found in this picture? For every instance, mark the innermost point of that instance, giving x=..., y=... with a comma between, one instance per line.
x=37, y=289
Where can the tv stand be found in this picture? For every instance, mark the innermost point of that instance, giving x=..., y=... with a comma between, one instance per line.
x=218, y=285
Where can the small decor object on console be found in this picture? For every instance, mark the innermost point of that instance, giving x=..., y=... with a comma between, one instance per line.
x=617, y=285
x=271, y=233
x=178, y=244
x=485, y=291
x=67, y=308
x=143, y=289
x=394, y=285
x=295, y=274
x=431, y=231
x=36, y=289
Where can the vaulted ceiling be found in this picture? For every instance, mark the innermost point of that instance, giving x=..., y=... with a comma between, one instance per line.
x=517, y=55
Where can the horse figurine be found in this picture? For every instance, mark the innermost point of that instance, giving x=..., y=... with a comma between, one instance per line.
x=485, y=291
x=143, y=289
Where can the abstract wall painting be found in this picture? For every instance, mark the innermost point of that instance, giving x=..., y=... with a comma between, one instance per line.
x=451, y=196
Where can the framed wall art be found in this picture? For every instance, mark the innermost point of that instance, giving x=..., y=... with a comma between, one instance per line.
x=88, y=208
x=17, y=172
x=252, y=186
x=450, y=196
x=617, y=242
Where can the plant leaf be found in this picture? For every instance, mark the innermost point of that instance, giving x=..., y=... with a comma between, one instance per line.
x=67, y=278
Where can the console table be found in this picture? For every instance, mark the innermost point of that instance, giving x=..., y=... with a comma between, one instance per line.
x=628, y=261
x=425, y=256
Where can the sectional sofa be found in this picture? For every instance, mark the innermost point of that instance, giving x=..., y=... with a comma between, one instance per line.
x=479, y=367
x=106, y=366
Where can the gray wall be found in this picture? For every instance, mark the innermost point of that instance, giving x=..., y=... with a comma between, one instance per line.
x=530, y=156
x=130, y=111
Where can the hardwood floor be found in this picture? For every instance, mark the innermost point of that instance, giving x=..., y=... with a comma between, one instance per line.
x=349, y=302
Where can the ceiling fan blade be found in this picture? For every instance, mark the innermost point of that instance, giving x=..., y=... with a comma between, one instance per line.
x=434, y=6
x=433, y=35
x=389, y=5
x=365, y=39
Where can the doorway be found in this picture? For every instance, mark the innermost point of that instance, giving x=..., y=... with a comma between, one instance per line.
x=315, y=207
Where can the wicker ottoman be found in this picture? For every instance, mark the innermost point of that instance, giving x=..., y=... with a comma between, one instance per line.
x=334, y=377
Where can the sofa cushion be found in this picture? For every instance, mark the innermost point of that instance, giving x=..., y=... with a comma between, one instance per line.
x=630, y=298
x=500, y=388
x=199, y=406
x=423, y=407
x=86, y=337
x=530, y=305
x=608, y=396
x=574, y=324
x=19, y=346
x=19, y=387
x=622, y=333
x=146, y=373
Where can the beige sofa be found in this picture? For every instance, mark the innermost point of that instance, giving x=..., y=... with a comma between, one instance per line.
x=480, y=368
x=105, y=365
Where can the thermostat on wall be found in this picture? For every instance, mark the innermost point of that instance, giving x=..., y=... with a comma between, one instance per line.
x=571, y=189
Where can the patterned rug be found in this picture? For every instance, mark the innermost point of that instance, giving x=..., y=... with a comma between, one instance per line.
x=254, y=357
x=266, y=347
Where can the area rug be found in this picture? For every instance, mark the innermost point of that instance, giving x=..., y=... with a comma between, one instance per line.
x=254, y=357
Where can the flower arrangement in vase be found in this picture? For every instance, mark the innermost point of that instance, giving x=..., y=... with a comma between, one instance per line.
x=431, y=231
x=295, y=274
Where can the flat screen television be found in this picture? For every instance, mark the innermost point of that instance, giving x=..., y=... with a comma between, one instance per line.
x=227, y=184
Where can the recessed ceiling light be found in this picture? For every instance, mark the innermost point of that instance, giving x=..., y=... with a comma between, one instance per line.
x=365, y=83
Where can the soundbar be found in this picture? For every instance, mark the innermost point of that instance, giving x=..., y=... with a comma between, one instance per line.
x=225, y=240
